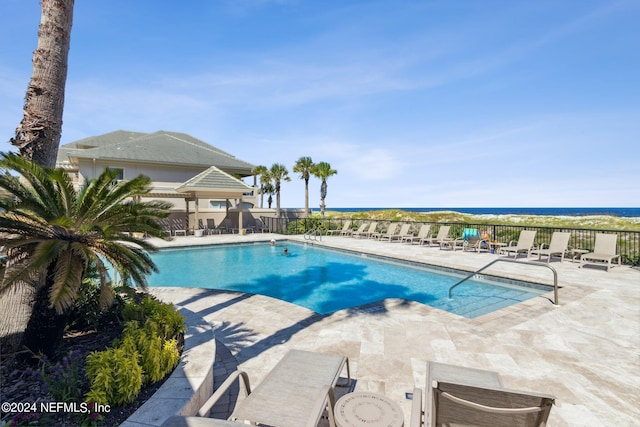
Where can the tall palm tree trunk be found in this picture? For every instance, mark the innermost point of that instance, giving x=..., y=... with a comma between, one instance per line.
x=37, y=138
x=306, y=198
x=16, y=306
x=38, y=134
x=278, y=200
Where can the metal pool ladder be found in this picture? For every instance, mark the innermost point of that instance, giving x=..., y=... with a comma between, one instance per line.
x=555, y=275
x=313, y=234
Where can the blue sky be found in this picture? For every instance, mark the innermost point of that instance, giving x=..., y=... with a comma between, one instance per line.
x=464, y=103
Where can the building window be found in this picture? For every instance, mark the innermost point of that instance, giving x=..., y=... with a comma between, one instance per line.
x=119, y=173
x=218, y=204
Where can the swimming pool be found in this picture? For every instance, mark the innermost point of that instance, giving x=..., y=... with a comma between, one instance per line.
x=326, y=281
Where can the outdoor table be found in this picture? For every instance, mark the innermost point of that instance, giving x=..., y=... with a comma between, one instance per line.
x=497, y=246
x=577, y=253
x=367, y=409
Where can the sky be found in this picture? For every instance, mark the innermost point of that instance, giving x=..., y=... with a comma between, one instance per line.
x=432, y=103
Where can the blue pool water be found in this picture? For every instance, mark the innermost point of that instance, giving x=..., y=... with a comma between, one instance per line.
x=326, y=281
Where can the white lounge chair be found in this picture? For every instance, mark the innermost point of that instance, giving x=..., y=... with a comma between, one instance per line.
x=423, y=233
x=458, y=395
x=360, y=229
x=558, y=246
x=295, y=393
x=367, y=232
x=524, y=244
x=404, y=232
x=443, y=235
x=604, y=251
x=341, y=231
x=391, y=230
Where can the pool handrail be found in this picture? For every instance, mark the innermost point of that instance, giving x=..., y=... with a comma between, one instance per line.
x=313, y=234
x=555, y=275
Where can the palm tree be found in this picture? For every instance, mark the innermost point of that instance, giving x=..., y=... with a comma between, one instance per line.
x=268, y=189
x=278, y=173
x=265, y=180
x=323, y=171
x=38, y=134
x=53, y=233
x=303, y=166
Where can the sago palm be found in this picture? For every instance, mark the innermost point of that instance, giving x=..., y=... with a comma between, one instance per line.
x=53, y=232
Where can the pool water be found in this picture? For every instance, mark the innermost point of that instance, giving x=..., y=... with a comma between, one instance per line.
x=326, y=280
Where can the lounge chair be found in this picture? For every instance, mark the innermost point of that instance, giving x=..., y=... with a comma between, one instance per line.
x=477, y=242
x=458, y=395
x=211, y=227
x=179, y=227
x=226, y=226
x=391, y=230
x=604, y=251
x=524, y=244
x=261, y=226
x=367, y=232
x=345, y=226
x=404, y=232
x=467, y=234
x=443, y=235
x=423, y=233
x=360, y=229
x=558, y=246
x=296, y=393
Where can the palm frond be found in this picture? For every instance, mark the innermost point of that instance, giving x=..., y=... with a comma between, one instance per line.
x=68, y=272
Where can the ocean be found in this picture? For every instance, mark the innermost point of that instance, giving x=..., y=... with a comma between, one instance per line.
x=619, y=212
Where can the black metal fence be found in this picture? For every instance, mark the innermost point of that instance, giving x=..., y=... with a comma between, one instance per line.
x=581, y=238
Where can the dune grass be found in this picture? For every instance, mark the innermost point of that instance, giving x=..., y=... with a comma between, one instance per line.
x=597, y=222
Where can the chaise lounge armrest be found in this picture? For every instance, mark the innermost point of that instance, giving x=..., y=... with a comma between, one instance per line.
x=206, y=407
x=416, y=409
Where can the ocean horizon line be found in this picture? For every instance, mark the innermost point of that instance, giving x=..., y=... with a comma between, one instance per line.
x=563, y=211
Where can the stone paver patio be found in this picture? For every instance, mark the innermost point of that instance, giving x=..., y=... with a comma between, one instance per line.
x=584, y=351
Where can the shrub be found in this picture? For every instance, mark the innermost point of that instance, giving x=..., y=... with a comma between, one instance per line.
x=148, y=342
x=157, y=356
x=115, y=376
x=88, y=312
x=167, y=322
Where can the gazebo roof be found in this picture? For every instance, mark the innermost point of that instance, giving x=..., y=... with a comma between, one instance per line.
x=214, y=182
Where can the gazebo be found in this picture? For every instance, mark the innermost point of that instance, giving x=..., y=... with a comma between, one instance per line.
x=213, y=183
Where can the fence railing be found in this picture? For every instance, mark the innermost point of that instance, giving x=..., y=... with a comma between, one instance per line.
x=581, y=238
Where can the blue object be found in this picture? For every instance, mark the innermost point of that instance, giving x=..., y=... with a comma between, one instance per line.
x=470, y=232
x=326, y=281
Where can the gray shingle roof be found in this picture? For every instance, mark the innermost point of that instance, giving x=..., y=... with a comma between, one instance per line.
x=161, y=147
x=114, y=137
x=214, y=180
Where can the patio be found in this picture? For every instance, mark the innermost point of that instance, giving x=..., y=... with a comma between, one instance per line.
x=584, y=351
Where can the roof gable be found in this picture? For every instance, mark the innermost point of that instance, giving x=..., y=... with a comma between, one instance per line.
x=214, y=180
